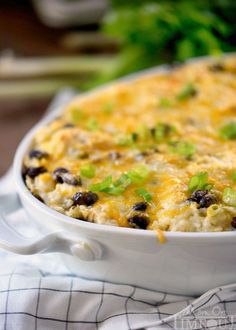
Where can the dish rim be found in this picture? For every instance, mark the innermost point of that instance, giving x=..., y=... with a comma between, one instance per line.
x=26, y=142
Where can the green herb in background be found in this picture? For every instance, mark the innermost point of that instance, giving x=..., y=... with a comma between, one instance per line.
x=158, y=31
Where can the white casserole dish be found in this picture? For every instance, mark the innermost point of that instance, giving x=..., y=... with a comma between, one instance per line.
x=188, y=263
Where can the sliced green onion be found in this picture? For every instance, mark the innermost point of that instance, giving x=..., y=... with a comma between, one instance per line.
x=162, y=131
x=145, y=194
x=188, y=91
x=126, y=140
x=229, y=196
x=165, y=103
x=199, y=182
x=119, y=186
x=92, y=124
x=234, y=176
x=112, y=190
x=76, y=115
x=138, y=174
x=123, y=181
x=88, y=171
x=228, y=131
x=185, y=149
x=101, y=186
x=144, y=133
x=134, y=136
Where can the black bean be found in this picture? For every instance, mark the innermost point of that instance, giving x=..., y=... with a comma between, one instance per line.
x=58, y=174
x=207, y=200
x=203, y=198
x=142, y=206
x=139, y=221
x=62, y=175
x=38, y=154
x=32, y=172
x=71, y=179
x=60, y=170
x=85, y=198
x=233, y=223
x=197, y=195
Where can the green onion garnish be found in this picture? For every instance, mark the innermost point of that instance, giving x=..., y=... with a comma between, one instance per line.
x=144, y=133
x=126, y=140
x=119, y=186
x=145, y=194
x=188, y=91
x=161, y=131
x=199, y=182
x=165, y=103
x=92, y=124
x=228, y=131
x=138, y=174
x=76, y=115
x=234, y=176
x=112, y=190
x=229, y=196
x=123, y=181
x=185, y=149
x=101, y=186
x=134, y=136
x=88, y=171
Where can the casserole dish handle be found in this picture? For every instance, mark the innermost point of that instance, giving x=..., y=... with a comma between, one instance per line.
x=57, y=241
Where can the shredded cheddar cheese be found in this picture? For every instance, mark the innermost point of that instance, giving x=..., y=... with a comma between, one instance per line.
x=161, y=236
x=154, y=153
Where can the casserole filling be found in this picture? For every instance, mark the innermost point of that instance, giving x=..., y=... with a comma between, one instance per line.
x=155, y=153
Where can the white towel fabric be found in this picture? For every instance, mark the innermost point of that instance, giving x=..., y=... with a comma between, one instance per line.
x=37, y=292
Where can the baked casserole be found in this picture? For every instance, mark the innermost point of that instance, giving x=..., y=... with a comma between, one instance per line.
x=157, y=152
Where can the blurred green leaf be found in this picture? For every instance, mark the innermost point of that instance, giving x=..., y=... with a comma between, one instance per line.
x=162, y=31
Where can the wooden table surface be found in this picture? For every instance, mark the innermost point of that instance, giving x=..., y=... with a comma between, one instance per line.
x=22, y=33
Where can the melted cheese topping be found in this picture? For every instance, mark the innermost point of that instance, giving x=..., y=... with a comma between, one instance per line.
x=144, y=123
